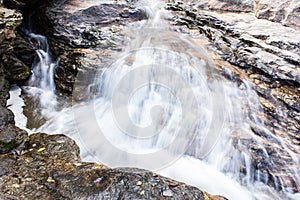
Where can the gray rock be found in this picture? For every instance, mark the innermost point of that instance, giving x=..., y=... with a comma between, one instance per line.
x=51, y=169
x=15, y=70
x=283, y=11
x=227, y=5
x=267, y=54
x=12, y=139
x=6, y=117
x=79, y=36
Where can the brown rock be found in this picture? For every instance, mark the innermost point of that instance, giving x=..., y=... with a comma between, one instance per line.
x=56, y=172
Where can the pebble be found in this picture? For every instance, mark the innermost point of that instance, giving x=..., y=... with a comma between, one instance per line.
x=50, y=180
x=167, y=193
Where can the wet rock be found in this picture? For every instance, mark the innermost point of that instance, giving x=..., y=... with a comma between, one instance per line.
x=19, y=4
x=4, y=88
x=14, y=51
x=12, y=138
x=54, y=146
x=16, y=70
x=23, y=49
x=79, y=34
x=9, y=19
x=6, y=117
x=51, y=169
x=266, y=54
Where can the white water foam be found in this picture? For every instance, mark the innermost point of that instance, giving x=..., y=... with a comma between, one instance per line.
x=217, y=173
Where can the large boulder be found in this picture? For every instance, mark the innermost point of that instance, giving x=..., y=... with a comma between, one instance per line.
x=50, y=168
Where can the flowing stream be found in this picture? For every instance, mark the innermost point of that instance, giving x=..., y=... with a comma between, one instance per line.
x=160, y=105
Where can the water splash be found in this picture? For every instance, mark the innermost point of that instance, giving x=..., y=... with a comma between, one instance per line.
x=41, y=84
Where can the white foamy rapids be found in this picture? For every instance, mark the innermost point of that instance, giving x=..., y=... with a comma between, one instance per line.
x=16, y=104
x=41, y=84
x=205, y=176
x=161, y=106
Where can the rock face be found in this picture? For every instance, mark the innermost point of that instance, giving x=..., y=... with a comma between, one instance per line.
x=12, y=70
x=286, y=12
x=266, y=54
x=16, y=54
x=227, y=5
x=282, y=11
x=50, y=168
x=83, y=35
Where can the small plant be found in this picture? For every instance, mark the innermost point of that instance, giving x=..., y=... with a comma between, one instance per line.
x=11, y=24
x=2, y=14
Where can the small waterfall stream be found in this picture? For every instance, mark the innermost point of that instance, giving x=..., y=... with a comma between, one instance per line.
x=162, y=106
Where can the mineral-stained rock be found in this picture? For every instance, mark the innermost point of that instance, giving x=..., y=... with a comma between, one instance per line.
x=50, y=168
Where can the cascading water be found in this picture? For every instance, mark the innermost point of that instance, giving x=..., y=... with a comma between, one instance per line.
x=41, y=82
x=40, y=90
x=162, y=106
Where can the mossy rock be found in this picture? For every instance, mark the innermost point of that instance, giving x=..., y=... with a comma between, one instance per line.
x=2, y=14
x=12, y=138
x=11, y=24
x=15, y=70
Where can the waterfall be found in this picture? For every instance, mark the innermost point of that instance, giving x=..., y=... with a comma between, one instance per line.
x=161, y=105
x=39, y=93
x=41, y=85
x=43, y=66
